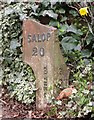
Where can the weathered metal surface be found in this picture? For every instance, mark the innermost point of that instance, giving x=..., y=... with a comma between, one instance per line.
x=42, y=52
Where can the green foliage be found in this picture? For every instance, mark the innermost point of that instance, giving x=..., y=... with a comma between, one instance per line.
x=76, y=34
x=81, y=102
x=16, y=75
x=52, y=111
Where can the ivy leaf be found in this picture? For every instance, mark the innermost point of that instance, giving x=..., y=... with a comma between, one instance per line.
x=58, y=102
x=69, y=43
x=54, y=23
x=89, y=39
x=79, y=114
x=61, y=10
x=86, y=53
x=93, y=46
x=69, y=104
x=53, y=2
x=63, y=19
x=10, y=1
x=85, y=91
x=73, y=12
x=14, y=44
x=0, y=51
x=22, y=16
x=1, y=75
x=50, y=13
x=63, y=28
x=45, y=2
x=34, y=7
x=72, y=28
x=8, y=11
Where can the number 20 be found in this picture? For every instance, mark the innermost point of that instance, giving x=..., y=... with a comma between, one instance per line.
x=37, y=51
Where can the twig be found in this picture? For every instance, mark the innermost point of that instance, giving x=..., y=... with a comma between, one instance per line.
x=3, y=101
x=85, y=36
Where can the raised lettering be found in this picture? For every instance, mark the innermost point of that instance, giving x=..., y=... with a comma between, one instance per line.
x=34, y=51
x=45, y=70
x=48, y=36
x=38, y=37
x=43, y=37
x=29, y=38
x=41, y=52
x=34, y=38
